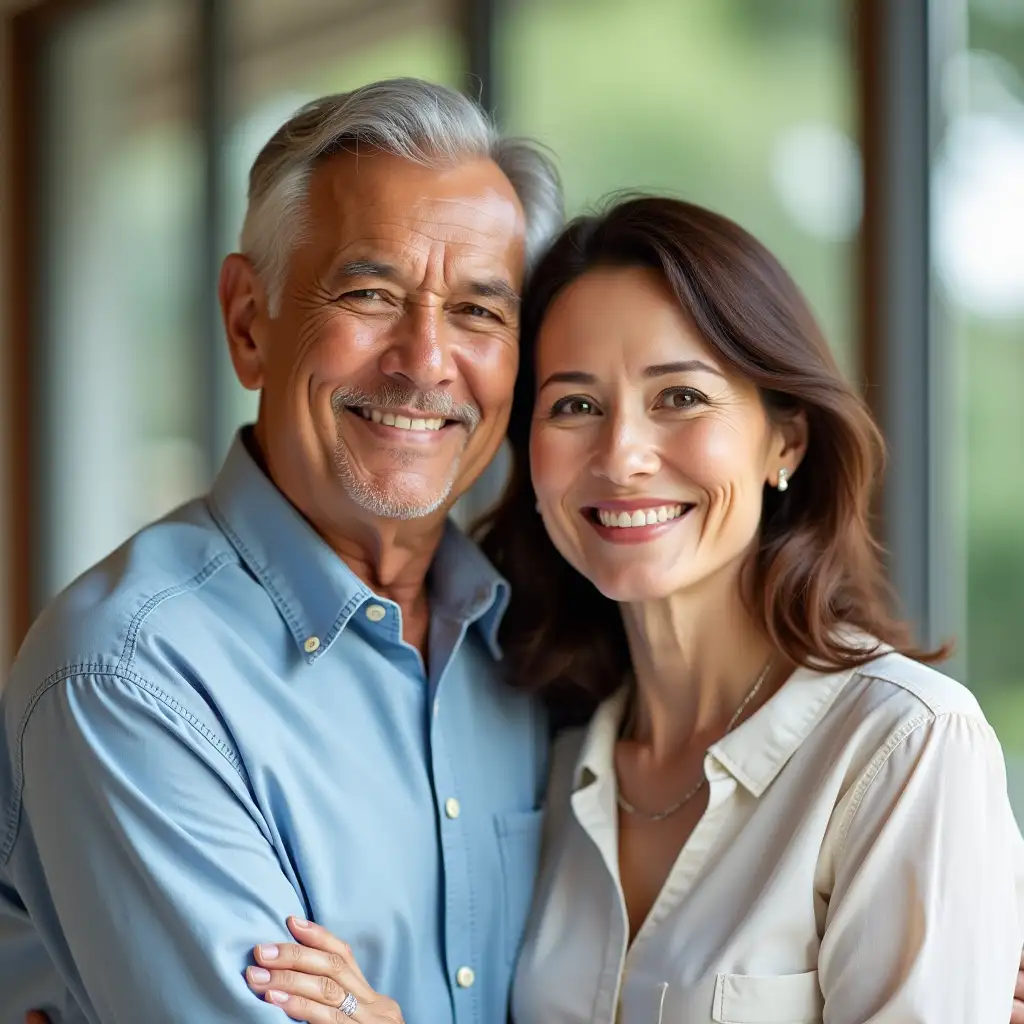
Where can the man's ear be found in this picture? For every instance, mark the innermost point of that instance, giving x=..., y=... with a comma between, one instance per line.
x=243, y=304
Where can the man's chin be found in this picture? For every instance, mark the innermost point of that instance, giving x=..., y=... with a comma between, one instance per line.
x=400, y=503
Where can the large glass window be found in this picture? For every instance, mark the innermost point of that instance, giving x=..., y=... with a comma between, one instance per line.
x=741, y=105
x=979, y=191
x=120, y=439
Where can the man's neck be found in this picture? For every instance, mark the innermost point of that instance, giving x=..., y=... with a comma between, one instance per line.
x=393, y=560
x=391, y=556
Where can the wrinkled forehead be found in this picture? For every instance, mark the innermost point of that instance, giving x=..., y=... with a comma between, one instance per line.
x=380, y=205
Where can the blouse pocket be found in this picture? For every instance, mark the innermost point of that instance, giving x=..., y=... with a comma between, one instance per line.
x=519, y=834
x=775, y=999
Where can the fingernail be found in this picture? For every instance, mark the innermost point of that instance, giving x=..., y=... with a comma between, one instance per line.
x=300, y=923
x=270, y=952
x=259, y=975
x=277, y=997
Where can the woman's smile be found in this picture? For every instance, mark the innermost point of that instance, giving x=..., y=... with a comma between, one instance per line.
x=635, y=521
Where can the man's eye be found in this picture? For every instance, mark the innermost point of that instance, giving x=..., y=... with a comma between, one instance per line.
x=365, y=294
x=574, y=405
x=478, y=312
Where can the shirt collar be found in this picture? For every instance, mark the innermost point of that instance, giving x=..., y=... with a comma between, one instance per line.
x=758, y=749
x=313, y=589
x=465, y=587
x=597, y=755
x=753, y=753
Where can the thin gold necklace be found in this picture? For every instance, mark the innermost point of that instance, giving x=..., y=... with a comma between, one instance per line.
x=626, y=806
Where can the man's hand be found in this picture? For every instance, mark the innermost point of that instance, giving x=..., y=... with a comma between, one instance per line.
x=1017, y=1013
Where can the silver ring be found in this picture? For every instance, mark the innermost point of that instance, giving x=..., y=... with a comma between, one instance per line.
x=349, y=1005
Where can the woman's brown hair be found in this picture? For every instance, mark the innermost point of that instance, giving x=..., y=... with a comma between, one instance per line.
x=817, y=567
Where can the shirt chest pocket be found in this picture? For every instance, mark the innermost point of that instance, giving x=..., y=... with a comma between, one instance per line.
x=767, y=999
x=519, y=834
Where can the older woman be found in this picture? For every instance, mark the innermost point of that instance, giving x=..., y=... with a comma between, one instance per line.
x=777, y=813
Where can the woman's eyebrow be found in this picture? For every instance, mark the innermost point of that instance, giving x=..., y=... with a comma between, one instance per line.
x=685, y=366
x=570, y=377
x=658, y=370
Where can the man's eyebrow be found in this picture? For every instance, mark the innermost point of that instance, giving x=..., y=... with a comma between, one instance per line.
x=494, y=288
x=366, y=268
x=491, y=288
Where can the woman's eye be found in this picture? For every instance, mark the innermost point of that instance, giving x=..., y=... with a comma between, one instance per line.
x=574, y=405
x=681, y=398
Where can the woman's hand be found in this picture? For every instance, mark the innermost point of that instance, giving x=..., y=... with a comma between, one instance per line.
x=1017, y=1013
x=318, y=980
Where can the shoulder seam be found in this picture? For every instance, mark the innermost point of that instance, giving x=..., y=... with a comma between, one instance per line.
x=196, y=581
x=12, y=817
x=874, y=769
x=911, y=687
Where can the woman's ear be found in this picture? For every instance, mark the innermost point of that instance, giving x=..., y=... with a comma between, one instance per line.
x=788, y=447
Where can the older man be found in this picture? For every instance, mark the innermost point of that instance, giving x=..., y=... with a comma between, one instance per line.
x=285, y=698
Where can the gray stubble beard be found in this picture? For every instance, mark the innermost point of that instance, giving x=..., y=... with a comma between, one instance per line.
x=375, y=499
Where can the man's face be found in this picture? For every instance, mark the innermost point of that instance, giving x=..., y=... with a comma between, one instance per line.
x=387, y=374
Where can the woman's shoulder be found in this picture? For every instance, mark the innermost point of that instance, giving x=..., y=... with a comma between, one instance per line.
x=893, y=708
x=914, y=688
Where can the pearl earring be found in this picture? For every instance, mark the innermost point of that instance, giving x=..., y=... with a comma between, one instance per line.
x=783, y=483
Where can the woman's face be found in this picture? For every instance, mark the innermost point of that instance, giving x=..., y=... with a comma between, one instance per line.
x=649, y=459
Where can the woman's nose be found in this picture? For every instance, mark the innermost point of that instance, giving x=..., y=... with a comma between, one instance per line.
x=627, y=451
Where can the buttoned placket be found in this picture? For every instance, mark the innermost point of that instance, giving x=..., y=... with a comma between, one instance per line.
x=461, y=943
x=597, y=814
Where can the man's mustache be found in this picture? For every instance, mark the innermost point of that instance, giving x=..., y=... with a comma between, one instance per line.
x=437, y=404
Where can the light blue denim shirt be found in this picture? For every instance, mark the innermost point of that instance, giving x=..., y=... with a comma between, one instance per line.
x=220, y=725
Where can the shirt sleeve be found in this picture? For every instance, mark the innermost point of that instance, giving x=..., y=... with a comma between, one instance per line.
x=142, y=859
x=923, y=921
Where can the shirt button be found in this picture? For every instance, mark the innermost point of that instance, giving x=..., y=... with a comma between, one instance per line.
x=376, y=612
x=312, y=644
x=465, y=976
x=451, y=807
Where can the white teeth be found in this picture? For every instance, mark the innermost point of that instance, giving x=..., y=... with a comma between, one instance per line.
x=641, y=517
x=402, y=422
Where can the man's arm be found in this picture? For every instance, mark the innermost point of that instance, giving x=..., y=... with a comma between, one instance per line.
x=141, y=857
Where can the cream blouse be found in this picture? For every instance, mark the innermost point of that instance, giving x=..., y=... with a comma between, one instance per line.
x=858, y=861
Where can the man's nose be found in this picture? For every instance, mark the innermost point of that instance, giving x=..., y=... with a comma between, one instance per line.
x=420, y=352
x=627, y=452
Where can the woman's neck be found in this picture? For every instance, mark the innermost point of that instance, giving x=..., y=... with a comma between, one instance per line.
x=696, y=656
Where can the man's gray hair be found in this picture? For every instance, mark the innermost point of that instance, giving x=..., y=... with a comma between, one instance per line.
x=406, y=117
